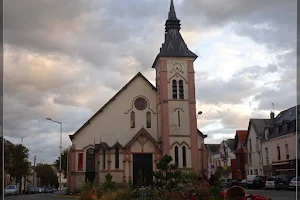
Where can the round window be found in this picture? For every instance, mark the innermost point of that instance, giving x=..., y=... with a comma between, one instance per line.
x=140, y=103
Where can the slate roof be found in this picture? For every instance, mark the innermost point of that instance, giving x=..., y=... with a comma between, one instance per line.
x=258, y=125
x=174, y=45
x=230, y=143
x=214, y=148
x=284, y=123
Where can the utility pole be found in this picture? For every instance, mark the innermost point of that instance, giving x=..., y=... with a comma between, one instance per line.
x=34, y=169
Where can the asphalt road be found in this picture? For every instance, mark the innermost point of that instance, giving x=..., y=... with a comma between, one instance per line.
x=273, y=194
x=276, y=194
x=43, y=196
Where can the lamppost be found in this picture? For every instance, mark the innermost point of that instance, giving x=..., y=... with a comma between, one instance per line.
x=60, y=146
x=67, y=171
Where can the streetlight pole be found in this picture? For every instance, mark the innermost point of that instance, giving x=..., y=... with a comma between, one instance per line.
x=60, y=147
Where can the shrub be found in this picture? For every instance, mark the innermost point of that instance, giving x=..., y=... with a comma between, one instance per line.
x=85, y=190
x=108, y=185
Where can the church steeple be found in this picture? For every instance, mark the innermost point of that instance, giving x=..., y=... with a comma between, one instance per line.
x=174, y=45
x=172, y=21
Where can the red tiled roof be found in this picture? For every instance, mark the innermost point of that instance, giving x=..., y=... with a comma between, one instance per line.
x=242, y=134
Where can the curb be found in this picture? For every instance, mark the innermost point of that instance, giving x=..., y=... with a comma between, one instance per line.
x=64, y=196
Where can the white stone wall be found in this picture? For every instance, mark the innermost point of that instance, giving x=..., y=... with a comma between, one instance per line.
x=256, y=153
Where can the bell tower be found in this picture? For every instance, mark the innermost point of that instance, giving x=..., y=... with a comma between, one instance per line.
x=176, y=102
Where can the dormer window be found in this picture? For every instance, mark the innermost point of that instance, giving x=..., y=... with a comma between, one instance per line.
x=266, y=133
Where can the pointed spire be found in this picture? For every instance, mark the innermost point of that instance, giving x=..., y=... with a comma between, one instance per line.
x=172, y=21
x=172, y=13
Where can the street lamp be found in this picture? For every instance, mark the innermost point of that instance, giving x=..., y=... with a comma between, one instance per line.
x=67, y=171
x=60, y=146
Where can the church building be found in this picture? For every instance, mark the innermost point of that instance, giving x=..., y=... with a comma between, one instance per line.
x=142, y=122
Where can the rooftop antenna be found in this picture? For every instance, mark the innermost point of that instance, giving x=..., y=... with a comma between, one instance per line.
x=273, y=106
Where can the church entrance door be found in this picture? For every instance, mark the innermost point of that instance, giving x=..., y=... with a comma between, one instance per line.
x=90, y=165
x=142, y=169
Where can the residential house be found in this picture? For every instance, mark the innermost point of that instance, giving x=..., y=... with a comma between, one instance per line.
x=223, y=158
x=240, y=154
x=212, y=150
x=278, y=144
x=255, y=132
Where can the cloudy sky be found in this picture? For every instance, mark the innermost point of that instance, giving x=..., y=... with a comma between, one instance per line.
x=60, y=58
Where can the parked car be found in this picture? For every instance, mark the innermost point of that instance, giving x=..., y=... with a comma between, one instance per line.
x=282, y=182
x=259, y=182
x=30, y=191
x=294, y=182
x=270, y=182
x=49, y=190
x=243, y=183
x=11, y=190
x=235, y=182
x=226, y=183
x=250, y=179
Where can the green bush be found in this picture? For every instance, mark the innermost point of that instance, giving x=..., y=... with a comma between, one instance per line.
x=108, y=185
x=85, y=189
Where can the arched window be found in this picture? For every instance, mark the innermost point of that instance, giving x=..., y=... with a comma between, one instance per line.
x=103, y=159
x=184, y=156
x=176, y=155
x=117, y=158
x=132, y=119
x=181, y=91
x=148, y=119
x=174, y=89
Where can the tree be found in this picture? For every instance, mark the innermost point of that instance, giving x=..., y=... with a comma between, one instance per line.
x=16, y=162
x=167, y=174
x=46, y=174
x=64, y=160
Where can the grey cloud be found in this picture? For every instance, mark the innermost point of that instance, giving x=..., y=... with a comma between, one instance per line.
x=255, y=72
x=283, y=98
x=220, y=91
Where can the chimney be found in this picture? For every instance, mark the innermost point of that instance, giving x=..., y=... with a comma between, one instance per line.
x=272, y=115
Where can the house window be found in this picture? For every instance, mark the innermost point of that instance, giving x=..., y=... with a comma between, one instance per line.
x=287, y=151
x=132, y=119
x=174, y=89
x=117, y=158
x=181, y=91
x=267, y=155
x=250, y=145
x=176, y=155
x=184, y=156
x=148, y=118
x=250, y=160
x=178, y=117
x=103, y=157
x=251, y=172
x=278, y=152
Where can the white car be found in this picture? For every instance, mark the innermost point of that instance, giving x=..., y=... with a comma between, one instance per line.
x=11, y=190
x=294, y=182
x=270, y=182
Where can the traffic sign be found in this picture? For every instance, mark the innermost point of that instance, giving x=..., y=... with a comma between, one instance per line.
x=212, y=166
x=60, y=171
